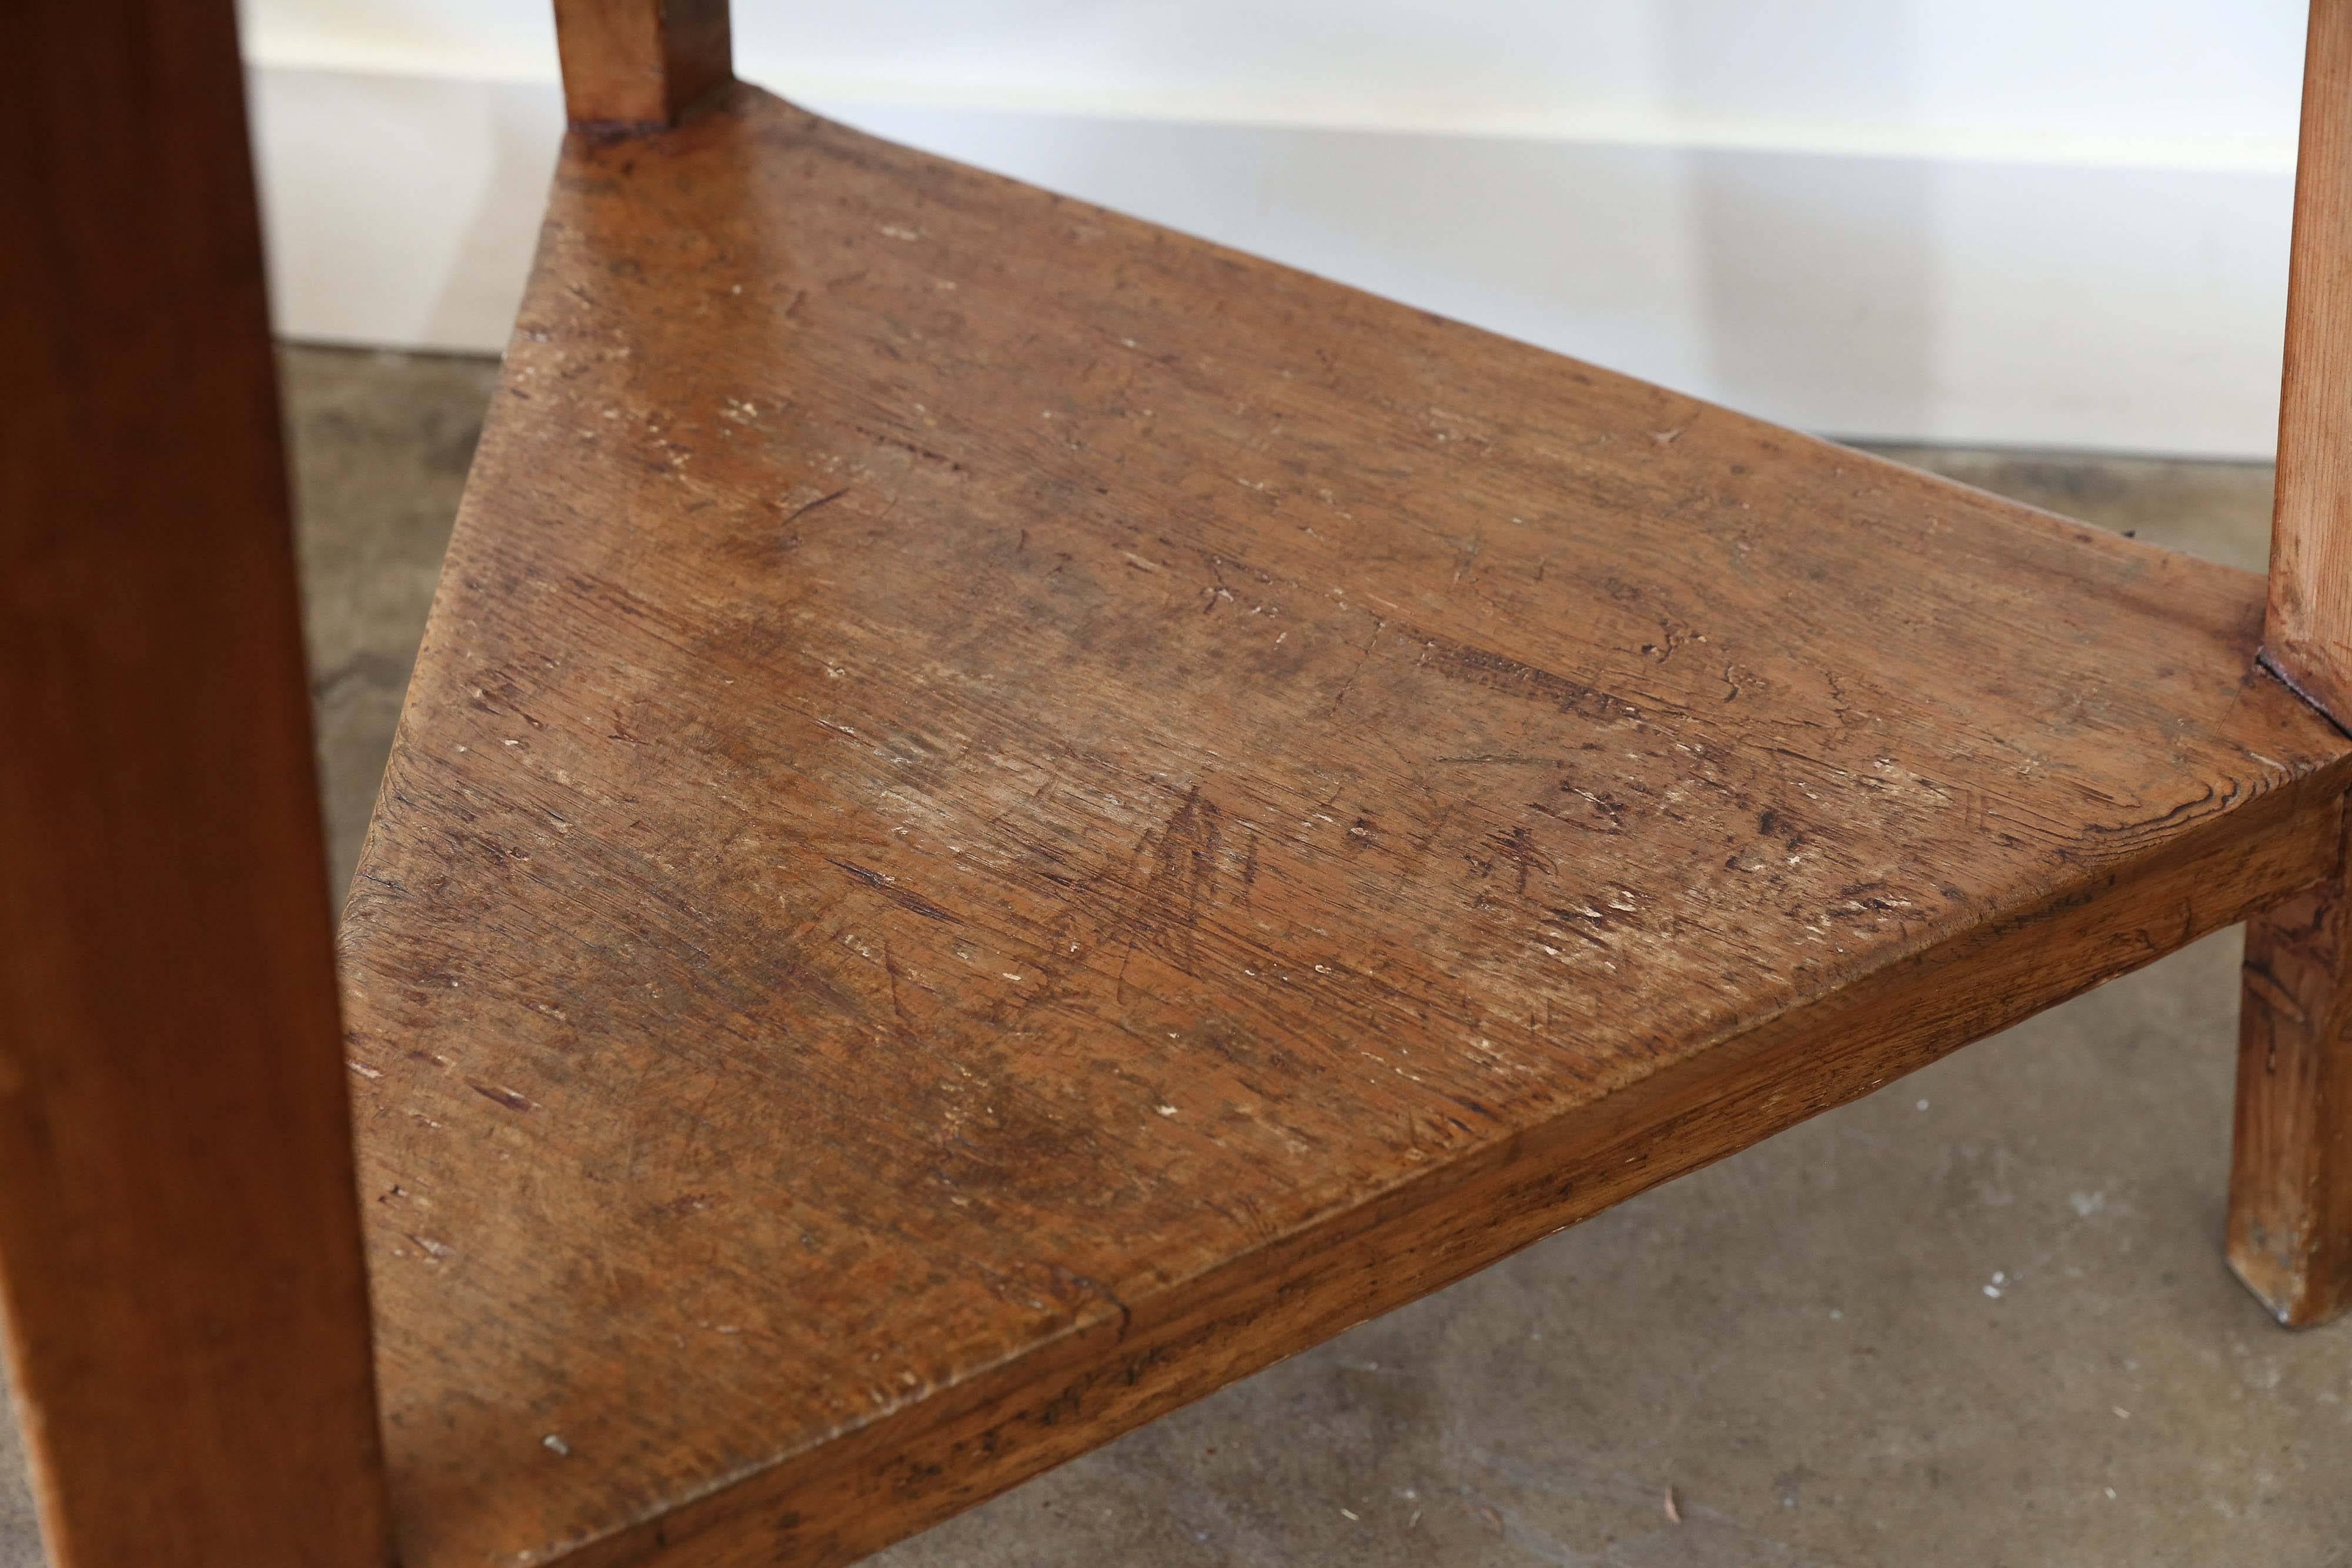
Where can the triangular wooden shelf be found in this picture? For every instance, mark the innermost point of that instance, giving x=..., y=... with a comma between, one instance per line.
x=1007, y=815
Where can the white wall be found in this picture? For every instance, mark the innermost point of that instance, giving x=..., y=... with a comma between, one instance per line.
x=2046, y=224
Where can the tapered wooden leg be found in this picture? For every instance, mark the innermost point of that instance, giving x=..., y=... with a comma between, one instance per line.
x=179, y=1262
x=637, y=64
x=2307, y=635
x=2289, y=1235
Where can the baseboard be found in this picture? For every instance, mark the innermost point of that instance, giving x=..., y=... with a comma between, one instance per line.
x=2036, y=302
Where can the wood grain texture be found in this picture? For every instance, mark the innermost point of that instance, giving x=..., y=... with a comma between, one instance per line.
x=2290, y=1166
x=633, y=64
x=2309, y=638
x=1006, y=816
x=179, y=1239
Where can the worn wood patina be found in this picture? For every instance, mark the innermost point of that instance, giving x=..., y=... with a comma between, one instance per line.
x=1007, y=816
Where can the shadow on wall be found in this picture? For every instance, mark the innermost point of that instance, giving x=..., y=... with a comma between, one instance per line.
x=1816, y=275
x=1962, y=299
x=402, y=211
x=519, y=148
x=1795, y=286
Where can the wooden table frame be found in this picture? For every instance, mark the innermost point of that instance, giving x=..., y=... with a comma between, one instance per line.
x=180, y=1248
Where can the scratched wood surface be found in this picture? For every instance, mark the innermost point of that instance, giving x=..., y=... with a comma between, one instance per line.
x=1006, y=816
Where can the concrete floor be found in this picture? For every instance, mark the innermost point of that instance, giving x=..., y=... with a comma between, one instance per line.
x=1980, y=1318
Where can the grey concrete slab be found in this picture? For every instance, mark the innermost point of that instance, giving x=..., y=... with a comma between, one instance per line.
x=1980, y=1318
x=379, y=445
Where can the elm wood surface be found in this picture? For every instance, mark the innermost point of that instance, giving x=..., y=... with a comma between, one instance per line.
x=635, y=63
x=2309, y=636
x=2290, y=1236
x=1006, y=816
x=179, y=1244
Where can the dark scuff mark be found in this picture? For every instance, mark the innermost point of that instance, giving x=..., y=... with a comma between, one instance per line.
x=1499, y=673
x=897, y=895
x=506, y=1097
x=805, y=507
